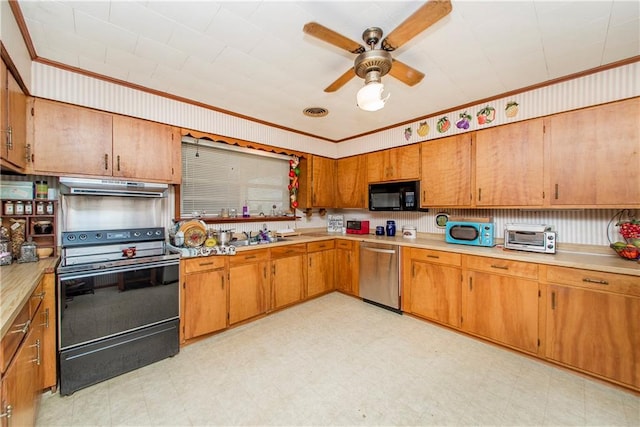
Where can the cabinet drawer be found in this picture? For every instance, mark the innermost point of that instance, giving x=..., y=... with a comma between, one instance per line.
x=612, y=282
x=344, y=244
x=320, y=246
x=18, y=330
x=37, y=296
x=245, y=257
x=436, y=257
x=526, y=270
x=195, y=265
x=288, y=250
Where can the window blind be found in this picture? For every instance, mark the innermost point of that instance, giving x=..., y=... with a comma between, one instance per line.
x=221, y=176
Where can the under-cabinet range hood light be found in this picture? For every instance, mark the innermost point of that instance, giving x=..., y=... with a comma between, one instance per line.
x=111, y=187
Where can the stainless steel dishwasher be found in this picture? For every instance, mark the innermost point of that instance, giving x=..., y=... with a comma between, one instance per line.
x=380, y=274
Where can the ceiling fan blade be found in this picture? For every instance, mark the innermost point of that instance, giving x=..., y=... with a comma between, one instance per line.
x=341, y=81
x=323, y=33
x=406, y=74
x=427, y=15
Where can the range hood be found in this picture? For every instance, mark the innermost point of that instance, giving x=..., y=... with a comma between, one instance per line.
x=111, y=187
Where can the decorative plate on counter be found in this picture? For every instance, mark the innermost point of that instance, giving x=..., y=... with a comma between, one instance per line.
x=195, y=233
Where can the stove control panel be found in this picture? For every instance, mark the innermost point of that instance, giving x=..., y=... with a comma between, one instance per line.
x=102, y=237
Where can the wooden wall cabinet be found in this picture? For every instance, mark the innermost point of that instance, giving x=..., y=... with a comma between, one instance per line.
x=71, y=140
x=352, y=190
x=320, y=267
x=249, y=289
x=592, y=323
x=317, y=182
x=204, y=296
x=432, y=285
x=288, y=275
x=500, y=301
x=14, y=152
x=395, y=164
x=347, y=261
x=446, y=172
x=509, y=165
x=594, y=156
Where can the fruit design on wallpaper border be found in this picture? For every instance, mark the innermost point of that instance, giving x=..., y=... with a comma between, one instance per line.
x=463, y=123
x=443, y=124
x=294, y=173
x=407, y=133
x=511, y=110
x=423, y=129
x=486, y=115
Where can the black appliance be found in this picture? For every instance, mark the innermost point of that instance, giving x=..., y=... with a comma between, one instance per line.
x=118, y=304
x=394, y=196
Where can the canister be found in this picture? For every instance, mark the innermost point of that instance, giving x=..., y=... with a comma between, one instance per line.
x=19, y=208
x=409, y=232
x=50, y=208
x=40, y=208
x=28, y=208
x=391, y=228
x=8, y=208
x=42, y=190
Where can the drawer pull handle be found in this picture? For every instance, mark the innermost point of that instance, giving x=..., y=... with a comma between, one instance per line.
x=22, y=328
x=37, y=346
x=46, y=318
x=433, y=256
x=202, y=264
x=596, y=281
x=249, y=257
x=553, y=300
x=40, y=295
x=501, y=267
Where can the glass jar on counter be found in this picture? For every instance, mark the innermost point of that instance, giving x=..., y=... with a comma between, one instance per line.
x=28, y=251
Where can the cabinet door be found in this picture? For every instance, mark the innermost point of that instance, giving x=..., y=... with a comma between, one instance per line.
x=323, y=182
x=595, y=332
x=509, y=165
x=501, y=308
x=446, y=172
x=435, y=292
x=71, y=140
x=287, y=280
x=14, y=144
x=595, y=155
x=247, y=291
x=351, y=182
x=346, y=267
x=21, y=383
x=395, y=164
x=205, y=303
x=320, y=272
x=47, y=321
x=143, y=149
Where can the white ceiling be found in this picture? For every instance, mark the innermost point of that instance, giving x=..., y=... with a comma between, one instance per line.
x=252, y=58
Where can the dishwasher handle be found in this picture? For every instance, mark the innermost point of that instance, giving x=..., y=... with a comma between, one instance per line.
x=382, y=251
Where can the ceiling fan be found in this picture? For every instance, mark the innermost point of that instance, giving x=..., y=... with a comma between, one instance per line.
x=373, y=64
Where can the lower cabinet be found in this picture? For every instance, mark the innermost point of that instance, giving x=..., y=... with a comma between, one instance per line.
x=500, y=302
x=346, y=266
x=23, y=378
x=320, y=267
x=288, y=274
x=432, y=285
x=593, y=323
x=248, y=285
x=204, y=296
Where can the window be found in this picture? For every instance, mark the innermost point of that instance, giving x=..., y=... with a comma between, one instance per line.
x=218, y=175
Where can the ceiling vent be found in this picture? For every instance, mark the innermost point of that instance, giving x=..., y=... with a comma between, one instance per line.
x=315, y=112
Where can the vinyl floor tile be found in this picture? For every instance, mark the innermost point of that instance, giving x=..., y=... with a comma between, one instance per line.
x=336, y=361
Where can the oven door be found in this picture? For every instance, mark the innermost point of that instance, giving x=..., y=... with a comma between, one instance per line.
x=98, y=304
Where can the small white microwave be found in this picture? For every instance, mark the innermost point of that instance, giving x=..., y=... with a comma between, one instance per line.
x=530, y=237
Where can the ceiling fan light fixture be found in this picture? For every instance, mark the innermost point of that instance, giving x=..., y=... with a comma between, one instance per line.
x=369, y=97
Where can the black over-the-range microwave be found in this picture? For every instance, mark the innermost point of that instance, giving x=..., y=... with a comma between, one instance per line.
x=394, y=196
